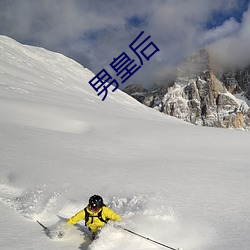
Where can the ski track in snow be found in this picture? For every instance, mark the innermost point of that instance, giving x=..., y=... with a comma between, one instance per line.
x=145, y=214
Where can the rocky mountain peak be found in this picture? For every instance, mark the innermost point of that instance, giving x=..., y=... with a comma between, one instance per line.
x=202, y=97
x=196, y=64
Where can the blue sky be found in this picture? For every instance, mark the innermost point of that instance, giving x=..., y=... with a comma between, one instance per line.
x=218, y=17
x=93, y=32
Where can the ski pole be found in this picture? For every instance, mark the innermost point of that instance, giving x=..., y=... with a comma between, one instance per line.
x=45, y=228
x=146, y=238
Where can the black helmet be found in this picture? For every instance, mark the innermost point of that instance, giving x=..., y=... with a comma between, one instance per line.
x=96, y=202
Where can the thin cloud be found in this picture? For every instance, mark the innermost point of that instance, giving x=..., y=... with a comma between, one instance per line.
x=228, y=28
x=233, y=50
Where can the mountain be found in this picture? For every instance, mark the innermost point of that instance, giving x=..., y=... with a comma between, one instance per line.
x=182, y=185
x=201, y=96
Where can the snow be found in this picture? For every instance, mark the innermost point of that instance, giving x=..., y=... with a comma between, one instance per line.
x=182, y=185
x=242, y=99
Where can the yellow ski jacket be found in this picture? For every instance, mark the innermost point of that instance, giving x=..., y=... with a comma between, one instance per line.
x=94, y=223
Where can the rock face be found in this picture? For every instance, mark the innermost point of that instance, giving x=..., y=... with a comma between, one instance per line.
x=237, y=81
x=201, y=97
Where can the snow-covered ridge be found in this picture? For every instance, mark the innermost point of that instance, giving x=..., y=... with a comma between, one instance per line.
x=33, y=74
x=36, y=67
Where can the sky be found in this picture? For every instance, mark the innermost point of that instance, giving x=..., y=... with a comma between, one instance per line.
x=94, y=32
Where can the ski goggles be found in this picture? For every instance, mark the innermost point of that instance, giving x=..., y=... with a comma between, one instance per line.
x=94, y=208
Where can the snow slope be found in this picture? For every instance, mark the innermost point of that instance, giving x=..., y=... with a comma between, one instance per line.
x=176, y=183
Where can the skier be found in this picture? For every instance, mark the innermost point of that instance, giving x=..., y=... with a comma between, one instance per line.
x=95, y=214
